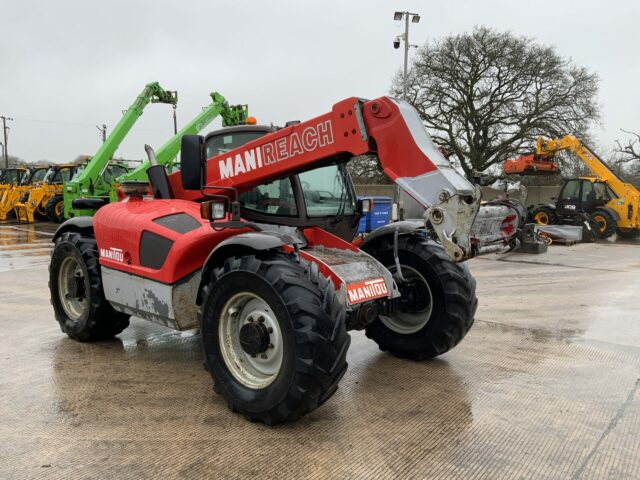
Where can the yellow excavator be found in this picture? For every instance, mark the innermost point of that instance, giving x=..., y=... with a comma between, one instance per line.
x=612, y=203
x=10, y=196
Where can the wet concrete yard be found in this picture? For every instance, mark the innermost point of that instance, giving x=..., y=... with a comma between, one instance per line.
x=546, y=385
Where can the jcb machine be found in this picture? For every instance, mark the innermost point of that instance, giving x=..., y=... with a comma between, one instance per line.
x=252, y=242
x=10, y=177
x=44, y=200
x=612, y=203
x=11, y=196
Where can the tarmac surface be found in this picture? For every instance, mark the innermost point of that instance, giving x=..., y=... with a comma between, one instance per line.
x=545, y=386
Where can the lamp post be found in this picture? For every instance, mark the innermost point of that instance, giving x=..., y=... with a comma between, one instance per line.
x=415, y=18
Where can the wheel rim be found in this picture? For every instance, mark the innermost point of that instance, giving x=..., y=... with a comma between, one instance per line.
x=72, y=288
x=601, y=221
x=406, y=319
x=246, y=310
x=59, y=207
x=541, y=218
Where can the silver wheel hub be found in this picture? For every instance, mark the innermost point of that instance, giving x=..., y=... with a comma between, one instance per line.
x=250, y=340
x=72, y=288
x=415, y=309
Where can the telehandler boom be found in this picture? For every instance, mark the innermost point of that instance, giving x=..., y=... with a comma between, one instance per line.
x=89, y=183
x=252, y=241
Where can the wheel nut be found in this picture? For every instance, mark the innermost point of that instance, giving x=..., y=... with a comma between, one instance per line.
x=270, y=330
x=270, y=345
x=264, y=355
x=261, y=319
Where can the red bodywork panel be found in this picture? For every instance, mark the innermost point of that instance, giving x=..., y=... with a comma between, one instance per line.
x=531, y=165
x=307, y=144
x=119, y=226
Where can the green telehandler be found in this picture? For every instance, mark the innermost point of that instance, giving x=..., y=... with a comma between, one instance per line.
x=89, y=190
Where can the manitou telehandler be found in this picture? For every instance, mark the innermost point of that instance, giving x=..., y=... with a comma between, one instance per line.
x=11, y=196
x=252, y=242
x=607, y=201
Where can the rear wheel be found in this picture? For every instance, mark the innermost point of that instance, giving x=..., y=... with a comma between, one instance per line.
x=628, y=233
x=77, y=296
x=437, y=305
x=274, y=336
x=544, y=216
x=606, y=223
x=55, y=209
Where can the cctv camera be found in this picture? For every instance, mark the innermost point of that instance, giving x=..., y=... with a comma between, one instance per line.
x=396, y=43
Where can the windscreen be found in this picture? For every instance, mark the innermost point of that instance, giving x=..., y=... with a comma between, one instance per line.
x=326, y=192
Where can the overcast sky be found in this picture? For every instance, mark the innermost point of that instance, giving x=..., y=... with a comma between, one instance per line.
x=67, y=66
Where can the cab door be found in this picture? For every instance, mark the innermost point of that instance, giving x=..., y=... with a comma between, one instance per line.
x=568, y=202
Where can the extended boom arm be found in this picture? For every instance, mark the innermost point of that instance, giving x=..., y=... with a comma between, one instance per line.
x=166, y=154
x=386, y=126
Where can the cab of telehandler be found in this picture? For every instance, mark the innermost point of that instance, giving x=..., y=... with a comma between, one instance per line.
x=320, y=197
x=582, y=195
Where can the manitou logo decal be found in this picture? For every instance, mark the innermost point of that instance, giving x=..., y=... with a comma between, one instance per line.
x=294, y=144
x=367, y=290
x=112, y=254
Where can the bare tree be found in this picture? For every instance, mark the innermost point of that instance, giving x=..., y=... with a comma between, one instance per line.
x=365, y=170
x=486, y=95
x=629, y=151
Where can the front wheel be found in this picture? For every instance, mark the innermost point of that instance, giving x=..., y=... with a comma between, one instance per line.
x=606, y=223
x=544, y=216
x=274, y=336
x=437, y=303
x=75, y=283
x=55, y=209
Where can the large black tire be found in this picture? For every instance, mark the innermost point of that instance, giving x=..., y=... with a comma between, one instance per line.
x=544, y=215
x=628, y=233
x=453, y=299
x=55, y=209
x=85, y=315
x=606, y=223
x=312, y=332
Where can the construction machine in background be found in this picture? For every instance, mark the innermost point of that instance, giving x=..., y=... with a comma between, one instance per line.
x=43, y=200
x=90, y=190
x=10, y=177
x=90, y=182
x=606, y=200
x=10, y=196
x=252, y=241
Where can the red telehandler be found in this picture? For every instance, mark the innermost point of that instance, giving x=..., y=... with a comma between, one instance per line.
x=252, y=242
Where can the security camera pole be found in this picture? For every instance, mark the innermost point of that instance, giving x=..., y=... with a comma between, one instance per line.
x=415, y=18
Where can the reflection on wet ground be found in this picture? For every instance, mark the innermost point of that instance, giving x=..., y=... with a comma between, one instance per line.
x=25, y=245
x=546, y=385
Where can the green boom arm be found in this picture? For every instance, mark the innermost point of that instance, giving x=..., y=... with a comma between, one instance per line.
x=166, y=154
x=85, y=184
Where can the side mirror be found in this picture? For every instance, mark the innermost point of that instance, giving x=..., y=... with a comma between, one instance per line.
x=365, y=205
x=192, y=161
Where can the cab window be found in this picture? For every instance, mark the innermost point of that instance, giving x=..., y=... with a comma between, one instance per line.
x=113, y=171
x=273, y=198
x=571, y=189
x=326, y=192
